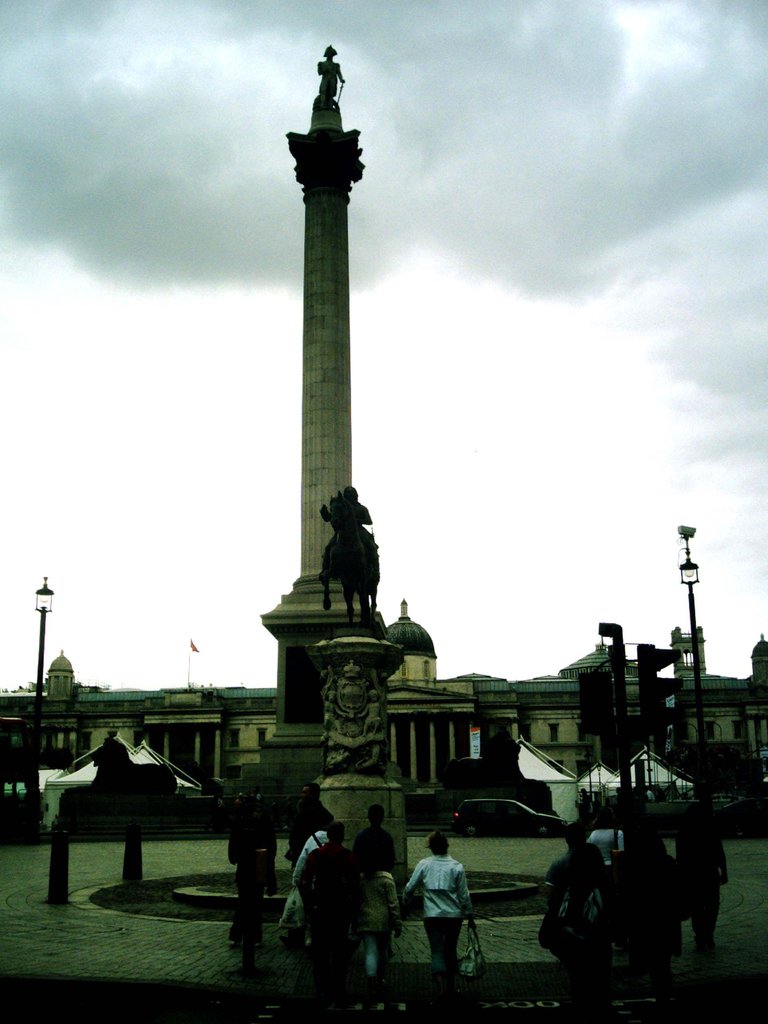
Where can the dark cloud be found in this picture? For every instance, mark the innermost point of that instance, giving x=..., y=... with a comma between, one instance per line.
x=149, y=142
x=535, y=144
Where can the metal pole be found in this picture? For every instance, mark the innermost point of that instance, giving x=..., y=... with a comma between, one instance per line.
x=618, y=662
x=33, y=793
x=701, y=743
x=618, y=666
x=38, y=717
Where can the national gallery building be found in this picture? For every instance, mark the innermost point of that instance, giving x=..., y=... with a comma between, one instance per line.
x=220, y=732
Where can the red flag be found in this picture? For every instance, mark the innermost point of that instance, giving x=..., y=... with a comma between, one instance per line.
x=192, y=645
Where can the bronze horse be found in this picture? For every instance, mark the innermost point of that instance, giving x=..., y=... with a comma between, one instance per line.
x=352, y=561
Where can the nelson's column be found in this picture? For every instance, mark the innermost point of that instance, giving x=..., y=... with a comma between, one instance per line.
x=327, y=165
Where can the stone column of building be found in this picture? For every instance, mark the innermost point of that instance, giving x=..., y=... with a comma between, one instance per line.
x=432, y=752
x=414, y=766
x=451, y=740
x=198, y=747
x=217, y=752
x=392, y=741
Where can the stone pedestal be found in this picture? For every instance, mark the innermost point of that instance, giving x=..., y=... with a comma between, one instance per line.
x=348, y=798
x=354, y=670
x=293, y=755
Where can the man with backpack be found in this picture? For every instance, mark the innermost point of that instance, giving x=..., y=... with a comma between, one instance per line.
x=576, y=926
x=330, y=887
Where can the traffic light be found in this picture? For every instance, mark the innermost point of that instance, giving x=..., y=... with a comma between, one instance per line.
x=652, y=690
x=596, y=702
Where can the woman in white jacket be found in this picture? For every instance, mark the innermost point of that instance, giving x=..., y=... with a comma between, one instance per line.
x=446, y=903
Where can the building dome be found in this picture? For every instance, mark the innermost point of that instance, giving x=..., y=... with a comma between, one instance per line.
x=760, y=650
x=61, y=664
x=409, y=635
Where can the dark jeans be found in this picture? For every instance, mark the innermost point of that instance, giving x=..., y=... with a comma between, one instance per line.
x=330, y=952
x=704, y=910
x=443, y=935
x=246, y=923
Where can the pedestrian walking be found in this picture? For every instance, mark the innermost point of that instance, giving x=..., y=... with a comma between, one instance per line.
x=654, y=909
x=703, y=869
x=576, y=927
x=609, y=840
x=443, y=883
x=330, y=886
x=252, y=847
x=310, y=817
x=374, y=847
x=378, y=918
x=584, y=804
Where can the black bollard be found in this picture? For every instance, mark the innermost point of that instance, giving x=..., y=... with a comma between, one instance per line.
x=58, y=875
x=132, y=871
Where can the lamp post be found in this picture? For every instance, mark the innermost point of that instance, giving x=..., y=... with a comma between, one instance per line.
x=44, y=605
x=689, y=577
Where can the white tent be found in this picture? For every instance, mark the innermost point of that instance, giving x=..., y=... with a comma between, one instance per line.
x=596, y=779
x=534, y=764
x=658, y=773
x=82, y=772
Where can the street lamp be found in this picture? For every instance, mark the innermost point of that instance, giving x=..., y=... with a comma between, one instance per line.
x=689, y=577
x=44, y=605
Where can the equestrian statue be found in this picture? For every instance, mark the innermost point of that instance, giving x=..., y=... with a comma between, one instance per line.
x=351, y=555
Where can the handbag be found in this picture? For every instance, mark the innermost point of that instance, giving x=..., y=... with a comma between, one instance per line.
x=472, y=961
x=293, y=913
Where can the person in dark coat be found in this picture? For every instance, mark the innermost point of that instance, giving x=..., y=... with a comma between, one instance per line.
x=330, y=887
x=703, y=868
x=310, y=817
x=252, y=847
x=374, y=846
x=654, y=907
x=578, y=924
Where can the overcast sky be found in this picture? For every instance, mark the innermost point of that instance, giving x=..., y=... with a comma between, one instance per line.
x=558, y=307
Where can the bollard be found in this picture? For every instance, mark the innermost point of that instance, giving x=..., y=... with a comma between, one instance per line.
x=58, y=875
x=132, y=857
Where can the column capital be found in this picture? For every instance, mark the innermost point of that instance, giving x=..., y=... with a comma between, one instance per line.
x=326, y=159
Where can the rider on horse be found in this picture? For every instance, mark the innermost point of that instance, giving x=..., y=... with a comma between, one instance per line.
x=363, y=519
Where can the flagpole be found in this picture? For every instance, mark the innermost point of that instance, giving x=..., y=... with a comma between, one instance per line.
x=192, y=650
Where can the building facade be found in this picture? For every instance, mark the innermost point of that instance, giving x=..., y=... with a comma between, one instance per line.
x=220, y=732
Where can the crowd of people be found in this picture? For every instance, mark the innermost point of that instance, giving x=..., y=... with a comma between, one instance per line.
x=348, y=896
x=612, y=892
x=607, y=892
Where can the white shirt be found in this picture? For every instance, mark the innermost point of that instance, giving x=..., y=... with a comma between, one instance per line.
x=318, y=838
x=444, y=885
x=603, y=839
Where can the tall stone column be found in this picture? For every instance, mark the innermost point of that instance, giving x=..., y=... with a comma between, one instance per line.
x=327, y=165
x=326, y=436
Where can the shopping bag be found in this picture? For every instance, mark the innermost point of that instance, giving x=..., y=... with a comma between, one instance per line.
x=472, y=961
x=293, y=912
